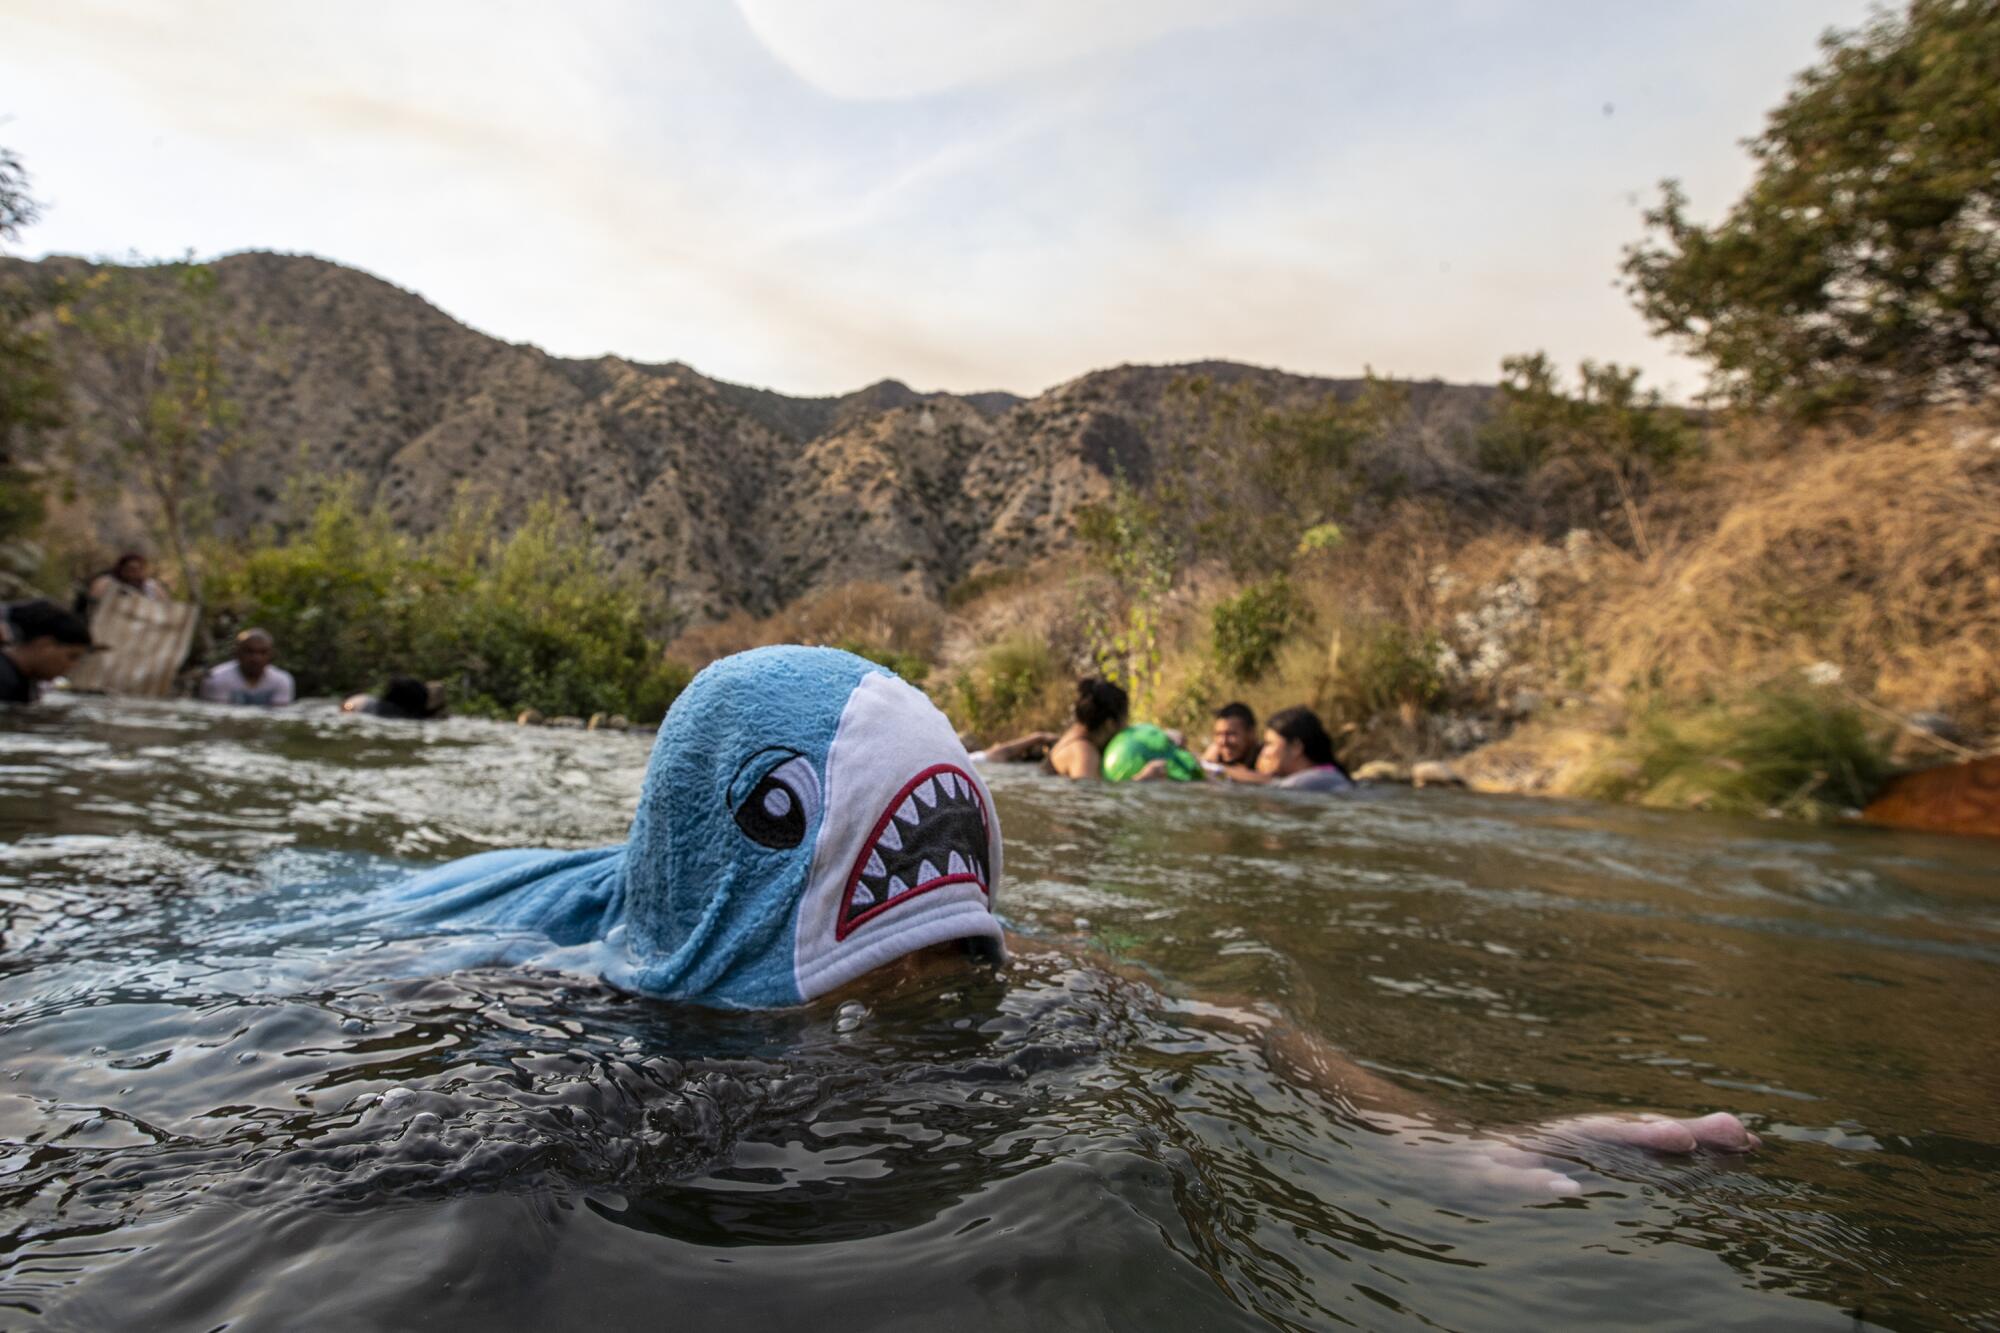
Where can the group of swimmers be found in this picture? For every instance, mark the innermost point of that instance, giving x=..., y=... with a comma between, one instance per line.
x=41, y=642
x=1295, y=751
x=249, y=680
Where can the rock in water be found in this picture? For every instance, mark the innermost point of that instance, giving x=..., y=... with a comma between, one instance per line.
x=1952, y=798
x=1382, y=770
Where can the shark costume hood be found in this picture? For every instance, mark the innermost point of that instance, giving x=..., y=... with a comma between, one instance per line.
x=806, y=817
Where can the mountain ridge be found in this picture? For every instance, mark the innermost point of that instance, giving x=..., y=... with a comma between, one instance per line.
x=731, y=497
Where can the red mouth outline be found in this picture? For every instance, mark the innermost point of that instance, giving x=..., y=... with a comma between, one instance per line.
x=845, y=925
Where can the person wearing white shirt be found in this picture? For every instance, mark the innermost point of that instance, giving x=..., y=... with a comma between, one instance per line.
x=250, y=679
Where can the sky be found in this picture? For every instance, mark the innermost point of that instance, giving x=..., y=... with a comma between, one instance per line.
x=812, y=195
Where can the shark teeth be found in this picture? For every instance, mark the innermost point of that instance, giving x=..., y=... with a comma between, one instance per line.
x=939, y=819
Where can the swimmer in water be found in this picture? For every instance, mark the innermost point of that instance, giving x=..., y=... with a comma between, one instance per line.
x=1297, y=754
x=1098, y=714
x=810, y=828
x=1232, y=741
x=1077, y=751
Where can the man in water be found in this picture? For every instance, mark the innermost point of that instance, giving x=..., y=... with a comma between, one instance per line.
x=250, y=680
x=1232, y=740
x=45, y=643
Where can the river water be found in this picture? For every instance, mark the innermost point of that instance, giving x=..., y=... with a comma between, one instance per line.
x=215, y=1113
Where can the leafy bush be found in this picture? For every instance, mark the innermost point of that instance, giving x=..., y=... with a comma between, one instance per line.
x=1246, y=474
x=1126, y=536
x=1801, y=753
x=1016, y=685
x=1383, y=666
x=530, y=620
x=1246, y=631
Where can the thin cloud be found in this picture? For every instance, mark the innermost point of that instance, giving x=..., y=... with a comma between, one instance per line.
x=813, y=196
x=902, y=49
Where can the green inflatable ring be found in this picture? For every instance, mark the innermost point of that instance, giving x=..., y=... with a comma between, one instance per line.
x=1141, y=743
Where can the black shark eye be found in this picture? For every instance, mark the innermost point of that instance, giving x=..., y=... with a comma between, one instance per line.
x=781, y=805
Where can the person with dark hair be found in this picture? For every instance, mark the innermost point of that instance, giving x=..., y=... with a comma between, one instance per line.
x=1099, y=712
x=404, y=697
x=250, y=680
x=1232, y=740
x=1298, y=753
x=44, y=642
x=130, y=575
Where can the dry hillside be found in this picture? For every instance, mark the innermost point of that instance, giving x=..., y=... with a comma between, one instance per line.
x=731, y=498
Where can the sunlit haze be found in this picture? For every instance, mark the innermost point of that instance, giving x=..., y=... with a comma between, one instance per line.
x=813, y=196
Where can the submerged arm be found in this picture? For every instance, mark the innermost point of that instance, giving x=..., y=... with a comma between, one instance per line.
x=1519, y=1159
x=1031, y=746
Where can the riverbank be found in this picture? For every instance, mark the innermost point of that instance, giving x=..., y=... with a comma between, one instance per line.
x=1777, y=629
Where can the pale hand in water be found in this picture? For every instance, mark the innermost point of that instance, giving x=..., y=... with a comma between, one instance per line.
x=1511, y=1166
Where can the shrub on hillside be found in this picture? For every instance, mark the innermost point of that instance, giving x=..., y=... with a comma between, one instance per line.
x=1382, y=666
x=1796, y=752
x=1246, y=631
x=1016, y=685
x=907, y=665
x=1586, y=454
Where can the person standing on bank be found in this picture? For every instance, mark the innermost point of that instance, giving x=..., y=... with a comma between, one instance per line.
x=250, y=680
x=44, y=643
x=131, y=576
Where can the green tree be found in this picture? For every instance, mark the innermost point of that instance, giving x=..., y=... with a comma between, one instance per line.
x=31, y=387
x=1129, y=537
x=1601, y=447
x=1863, y=263
x=1247, y=630
x=162, y=333
x=1245, y=480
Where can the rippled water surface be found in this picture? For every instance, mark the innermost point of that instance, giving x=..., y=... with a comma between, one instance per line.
x=214, y=1112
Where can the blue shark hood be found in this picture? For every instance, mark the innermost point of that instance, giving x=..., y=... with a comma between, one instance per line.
x=806, y=817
